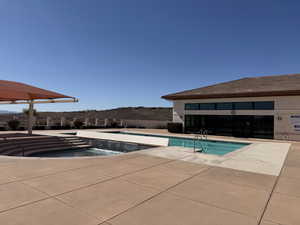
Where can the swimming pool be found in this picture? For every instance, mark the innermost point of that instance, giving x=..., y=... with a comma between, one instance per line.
x=210, y=146
x=99, y=147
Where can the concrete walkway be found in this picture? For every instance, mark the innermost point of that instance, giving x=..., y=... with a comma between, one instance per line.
x=284, y=205
x=138, y=189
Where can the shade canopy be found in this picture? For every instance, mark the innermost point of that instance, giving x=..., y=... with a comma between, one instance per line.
x=18, y=93
x=14, y=91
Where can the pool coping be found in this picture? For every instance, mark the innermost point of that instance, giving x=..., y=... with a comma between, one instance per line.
x=154, y=141
x=259, y=156
x=129, y=132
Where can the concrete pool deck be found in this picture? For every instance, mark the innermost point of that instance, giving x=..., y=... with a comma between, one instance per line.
x=138, y=189
x=264, y=157
x=145, y=188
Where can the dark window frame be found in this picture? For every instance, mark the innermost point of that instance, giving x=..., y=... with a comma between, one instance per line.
x=191, y=106
x=253, y=105
x=243, y=105
x=224, y=106
x=207, y=106
x=264, y=105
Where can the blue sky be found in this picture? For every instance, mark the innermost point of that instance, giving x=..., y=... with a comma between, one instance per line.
x=114, y=53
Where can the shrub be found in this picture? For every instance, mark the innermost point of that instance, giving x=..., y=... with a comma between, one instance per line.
x=22, y=128
x=78, y=124
x=13, y=124
x=175, y=127
x=26, y=112
x=114, y=124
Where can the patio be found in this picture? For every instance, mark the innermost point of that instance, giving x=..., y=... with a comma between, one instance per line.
x=137, y=189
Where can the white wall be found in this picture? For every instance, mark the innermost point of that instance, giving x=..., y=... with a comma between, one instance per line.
x=283, y=123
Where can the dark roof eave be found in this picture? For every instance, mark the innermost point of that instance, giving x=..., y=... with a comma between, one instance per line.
x=233, y=95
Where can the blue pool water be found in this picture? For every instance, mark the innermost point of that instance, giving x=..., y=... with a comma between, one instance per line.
x=210, y=146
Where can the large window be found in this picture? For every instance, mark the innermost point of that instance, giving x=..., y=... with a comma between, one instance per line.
x=243, y=105
x=224, y=106
x=239, y=126
x=265, y=105
x=192, y=106
x=207, y=106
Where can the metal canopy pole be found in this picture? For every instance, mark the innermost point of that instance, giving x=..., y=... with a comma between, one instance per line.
x=30, y=117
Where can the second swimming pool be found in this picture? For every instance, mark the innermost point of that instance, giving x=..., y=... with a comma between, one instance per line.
x=209, y=146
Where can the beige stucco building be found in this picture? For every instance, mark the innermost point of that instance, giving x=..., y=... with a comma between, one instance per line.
x=261, y=107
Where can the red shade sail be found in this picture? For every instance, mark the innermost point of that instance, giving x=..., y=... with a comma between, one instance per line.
x=18, y=93
x=13, y=91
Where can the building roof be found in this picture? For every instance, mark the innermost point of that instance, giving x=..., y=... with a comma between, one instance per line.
x=13, y=91
x=280, y=85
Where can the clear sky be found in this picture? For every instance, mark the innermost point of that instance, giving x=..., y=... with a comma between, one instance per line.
x=114, y=53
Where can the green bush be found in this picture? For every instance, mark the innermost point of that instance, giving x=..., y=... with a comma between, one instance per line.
x=78, y=124
x=13, y=124
x=175, y=127
x=26, y=112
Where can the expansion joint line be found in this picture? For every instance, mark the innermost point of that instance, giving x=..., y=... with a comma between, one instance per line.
x=159, y=193
x=273, y=190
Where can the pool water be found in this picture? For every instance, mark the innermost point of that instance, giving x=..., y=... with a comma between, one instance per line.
x=209, y=146
x=76, y=153
x=100, y=148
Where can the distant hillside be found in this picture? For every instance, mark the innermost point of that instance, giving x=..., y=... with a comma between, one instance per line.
x=6, y=112
x=129, y=113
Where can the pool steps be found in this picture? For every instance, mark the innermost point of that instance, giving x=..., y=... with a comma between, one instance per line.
x=27, y=145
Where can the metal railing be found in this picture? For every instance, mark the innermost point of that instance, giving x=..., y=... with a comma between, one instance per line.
x=196, y=138
x=201, y=138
